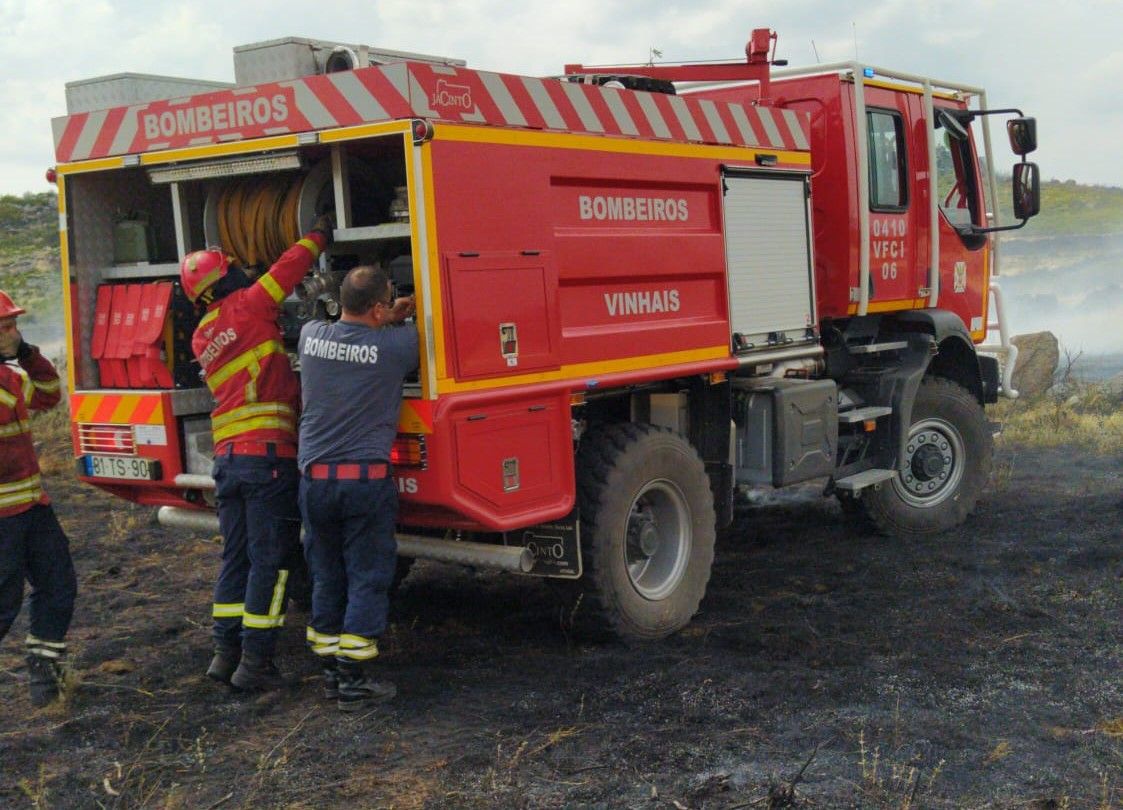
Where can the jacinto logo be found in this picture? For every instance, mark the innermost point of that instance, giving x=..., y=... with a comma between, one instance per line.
x=452, y=95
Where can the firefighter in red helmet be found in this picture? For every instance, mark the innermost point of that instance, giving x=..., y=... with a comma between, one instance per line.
x=257, y=400
x=32, y=544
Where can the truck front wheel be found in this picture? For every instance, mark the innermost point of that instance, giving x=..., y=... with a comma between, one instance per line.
x=945, y=467
x=647, y=528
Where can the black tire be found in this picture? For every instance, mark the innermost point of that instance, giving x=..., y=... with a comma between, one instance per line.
x=647, y=532
x=947, y=465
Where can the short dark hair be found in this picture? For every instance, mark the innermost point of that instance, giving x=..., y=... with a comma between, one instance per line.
x=364, y=287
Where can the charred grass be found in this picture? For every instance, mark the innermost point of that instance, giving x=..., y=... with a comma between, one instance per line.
x=827, y=668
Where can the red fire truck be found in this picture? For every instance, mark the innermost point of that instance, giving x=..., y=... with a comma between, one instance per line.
x=640, y=291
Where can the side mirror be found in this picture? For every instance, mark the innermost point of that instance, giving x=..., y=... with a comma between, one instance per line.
x=1023, y=135
x=1027, y=190
x=952, y=123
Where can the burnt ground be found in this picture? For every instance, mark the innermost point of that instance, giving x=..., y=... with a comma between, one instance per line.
x=827, y=668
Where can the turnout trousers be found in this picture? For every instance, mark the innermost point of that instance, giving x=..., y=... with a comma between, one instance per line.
x=352, y=553
x=34, y=547
x=260, y=526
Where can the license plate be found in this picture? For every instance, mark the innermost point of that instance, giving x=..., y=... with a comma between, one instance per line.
x=556, y=547
x=129, y=468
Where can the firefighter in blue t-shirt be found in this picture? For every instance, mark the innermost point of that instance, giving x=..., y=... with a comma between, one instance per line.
x=351, y=377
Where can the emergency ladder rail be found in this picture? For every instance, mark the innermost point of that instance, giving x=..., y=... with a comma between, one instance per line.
x=859, y=72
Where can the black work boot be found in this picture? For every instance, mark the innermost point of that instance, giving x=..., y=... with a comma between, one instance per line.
x=257, y=673
x=357, y=689
x=330, y=670
x=45, y=679
x=223, y=664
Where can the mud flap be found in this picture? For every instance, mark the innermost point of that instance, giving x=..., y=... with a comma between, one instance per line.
x=556, y=547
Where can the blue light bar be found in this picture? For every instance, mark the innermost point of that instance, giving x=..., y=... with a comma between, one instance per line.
x=867, y=72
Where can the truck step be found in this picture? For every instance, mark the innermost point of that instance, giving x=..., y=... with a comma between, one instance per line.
x=862, y=414
x=866, y=478
x=875, y=348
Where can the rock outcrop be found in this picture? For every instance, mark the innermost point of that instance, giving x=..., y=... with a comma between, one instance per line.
x=1039, y=354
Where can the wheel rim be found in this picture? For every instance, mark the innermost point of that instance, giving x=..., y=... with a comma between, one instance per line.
x=658, y=540
x=933, y=464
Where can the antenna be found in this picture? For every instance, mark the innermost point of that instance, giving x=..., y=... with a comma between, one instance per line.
x=653, y=53
x=854, y=29
x=816, y=50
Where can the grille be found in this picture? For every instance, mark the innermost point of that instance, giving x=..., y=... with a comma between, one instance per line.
x=112, y=440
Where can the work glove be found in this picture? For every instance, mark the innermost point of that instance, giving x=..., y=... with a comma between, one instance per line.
x=325, y=226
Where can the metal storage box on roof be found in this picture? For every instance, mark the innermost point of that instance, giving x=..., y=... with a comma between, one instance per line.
x=294, y=57
x=123, y=89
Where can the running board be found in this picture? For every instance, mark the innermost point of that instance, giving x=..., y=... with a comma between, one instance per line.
x=866, y=478
x=518, y=559
x=876, y=348
x=864, y=413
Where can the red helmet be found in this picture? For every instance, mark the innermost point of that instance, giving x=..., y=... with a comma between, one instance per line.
x=8, y=309
x=201, y=270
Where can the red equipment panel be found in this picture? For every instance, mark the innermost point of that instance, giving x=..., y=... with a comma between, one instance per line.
x=637, y=240
x=504, y=313
x=497, y=460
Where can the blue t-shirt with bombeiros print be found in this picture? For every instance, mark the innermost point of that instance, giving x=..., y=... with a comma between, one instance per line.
x=351, y=388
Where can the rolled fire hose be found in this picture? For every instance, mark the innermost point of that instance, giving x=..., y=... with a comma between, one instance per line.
x=257, y=218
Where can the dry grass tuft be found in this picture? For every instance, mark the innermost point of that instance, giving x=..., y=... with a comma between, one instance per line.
x=1090, y=416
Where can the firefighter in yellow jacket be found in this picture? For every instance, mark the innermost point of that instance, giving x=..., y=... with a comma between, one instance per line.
x=32, y=544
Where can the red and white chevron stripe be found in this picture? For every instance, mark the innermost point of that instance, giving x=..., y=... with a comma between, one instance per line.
x=411, y=90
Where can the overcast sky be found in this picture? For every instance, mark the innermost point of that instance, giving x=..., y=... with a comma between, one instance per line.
x=1062, y=64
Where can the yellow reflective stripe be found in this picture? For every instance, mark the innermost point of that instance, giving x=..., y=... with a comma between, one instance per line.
x=248, y=411
x=31, y=482
x=15, y=428
x=247, y=359
x=28, y=388
x=321, y=643
x=23, y=497
x=272, y=287
x=32, y=641
x=275, y=606
x=210, y=316
x=229, y=610
x=49, y=387
x=260, y=423
x=313, y=248
x=255, y=621
x=365, y=654
x=205, y=283
x=275, y=618
x=357, y=648
x=7, y=398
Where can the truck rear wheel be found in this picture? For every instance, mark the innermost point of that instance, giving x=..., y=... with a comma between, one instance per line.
x=947, y=462
x=647, y=529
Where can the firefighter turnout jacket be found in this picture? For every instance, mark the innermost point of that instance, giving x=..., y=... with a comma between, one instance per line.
x=238, y=344
x=32, y=385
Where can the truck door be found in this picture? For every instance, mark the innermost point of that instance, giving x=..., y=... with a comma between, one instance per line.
x=896, y=277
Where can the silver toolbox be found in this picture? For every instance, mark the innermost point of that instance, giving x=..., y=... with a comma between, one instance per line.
x=123, y=89
x=293, y=57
